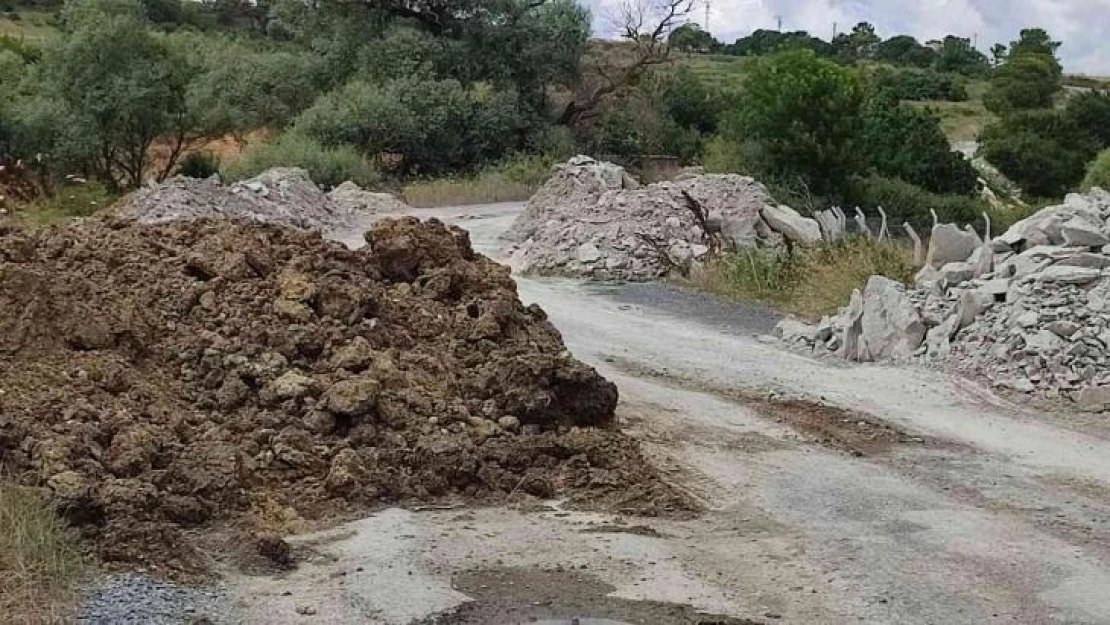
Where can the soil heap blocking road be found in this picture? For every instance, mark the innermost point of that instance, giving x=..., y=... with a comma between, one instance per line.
x=282, y=195
x=592, y=220
x=161, y=377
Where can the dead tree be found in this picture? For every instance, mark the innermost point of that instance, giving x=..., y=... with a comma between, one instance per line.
x=644, y=25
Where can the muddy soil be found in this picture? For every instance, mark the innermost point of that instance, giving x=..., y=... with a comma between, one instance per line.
x=558, y=597
x=161, y=378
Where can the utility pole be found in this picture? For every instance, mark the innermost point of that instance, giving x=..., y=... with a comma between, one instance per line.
x=779, y=19
x=706, y=15
x=834, y=31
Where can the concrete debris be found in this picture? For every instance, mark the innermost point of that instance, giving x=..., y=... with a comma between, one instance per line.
x=282, y=195
x=1039, y=323
x=591, y=219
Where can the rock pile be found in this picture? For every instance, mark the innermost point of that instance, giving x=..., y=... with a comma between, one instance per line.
x=591, y=219
x=160, y=377
x=283, y=195
x=1029, y=310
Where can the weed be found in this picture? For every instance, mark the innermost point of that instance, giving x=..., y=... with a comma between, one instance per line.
x=514, y=179
x=39, y=559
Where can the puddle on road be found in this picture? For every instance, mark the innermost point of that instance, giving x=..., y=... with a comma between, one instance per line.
x=559, y=597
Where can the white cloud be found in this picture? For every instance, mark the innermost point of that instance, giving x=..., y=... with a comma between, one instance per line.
x=1083, y=25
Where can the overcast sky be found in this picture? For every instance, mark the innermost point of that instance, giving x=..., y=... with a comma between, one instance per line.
x=1083, y=25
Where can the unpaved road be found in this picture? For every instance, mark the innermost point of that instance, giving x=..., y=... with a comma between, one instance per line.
x=941, y=504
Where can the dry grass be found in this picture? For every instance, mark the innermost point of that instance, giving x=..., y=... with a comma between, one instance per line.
x=810, y=282
x=31, y=26
x=39, y=559
x=450, y=192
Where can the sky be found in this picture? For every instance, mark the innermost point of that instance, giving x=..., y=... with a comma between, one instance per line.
x=1083, y=25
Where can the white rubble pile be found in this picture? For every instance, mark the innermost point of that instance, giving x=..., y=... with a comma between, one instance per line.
x=1029, y=310
x=591, y=219
x=283, y=195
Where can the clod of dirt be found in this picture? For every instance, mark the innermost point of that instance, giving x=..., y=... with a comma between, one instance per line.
x=160, y=377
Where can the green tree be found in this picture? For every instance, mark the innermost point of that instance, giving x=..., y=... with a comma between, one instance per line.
x=1090, y=111
x=803, y=113
x=114, y=88
x=903, y=142
x=1043, y=151
x=859, y=43
x=905, y=50
x=956, y=54
x=1036, y=41
x=691, y=38
x=1025, y=81
x=998, y=54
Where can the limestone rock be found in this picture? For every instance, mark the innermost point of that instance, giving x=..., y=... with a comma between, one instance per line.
x=1082, y=233
x=791, y=225
x=891, y=326
x=1064, y=274
x=950, y=244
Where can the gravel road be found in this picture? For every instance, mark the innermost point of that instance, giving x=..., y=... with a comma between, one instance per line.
x=974, y=510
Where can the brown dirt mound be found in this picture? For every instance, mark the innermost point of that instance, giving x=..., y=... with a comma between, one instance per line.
x=160, y=377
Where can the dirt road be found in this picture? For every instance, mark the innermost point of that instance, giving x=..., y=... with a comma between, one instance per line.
x=882, y=495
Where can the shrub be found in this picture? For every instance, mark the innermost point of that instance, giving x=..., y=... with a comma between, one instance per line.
x=1044, y=152
x=914, y=84
x=1024, y=82
x=199, y=165
x=907, y=143
x=903, y=201
x=1098, y=172
x=326, y=165
x=803, y=112
x=514, y=179
x=27, y=51
x=1091, y=113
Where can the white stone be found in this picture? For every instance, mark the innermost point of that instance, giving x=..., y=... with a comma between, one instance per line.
x=793, y=330
x=1064, y=274
x=1079, y=232
x=791, y=225
x=891, y=326
x=955, y=273
x=949, y=244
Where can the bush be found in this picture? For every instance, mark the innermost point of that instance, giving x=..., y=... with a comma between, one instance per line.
x=1098, y=172
x=803, y=112
x=514, y=179
x=199, y=165
x=1091, y=114
x=907, y=143
x=27, y=51
x=326, y=165
x=434, y=126
x=903, y=201
x=1044, y=152
x=1024, y=82
x=914, y=84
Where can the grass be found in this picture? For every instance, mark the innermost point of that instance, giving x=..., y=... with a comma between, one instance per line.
x=72, y=199
x=962, y=121
x=39, y=559
x=513, y=180
x=810, y=282
x=33, y=26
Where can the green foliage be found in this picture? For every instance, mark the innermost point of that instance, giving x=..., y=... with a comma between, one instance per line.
x=108, y=91
x=803, y=113
x=904, y=201
x=957, y=55
x=905, y=50
x=514, y=179
x=763, y=42
x=907, y=143
x=859, y=43
x=1098, y=172
x=1043, y=151
x=326, y=165
x=1090, y=111
x=199, y=165
x=1026, y=81
x=690, y=37
x=27, y=51
x=914, y=84
x=1038, y=42
x=432, y=125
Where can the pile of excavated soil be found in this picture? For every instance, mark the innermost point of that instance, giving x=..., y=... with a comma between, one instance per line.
x=591, y=219
x=162, y=377
x=282, y=195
